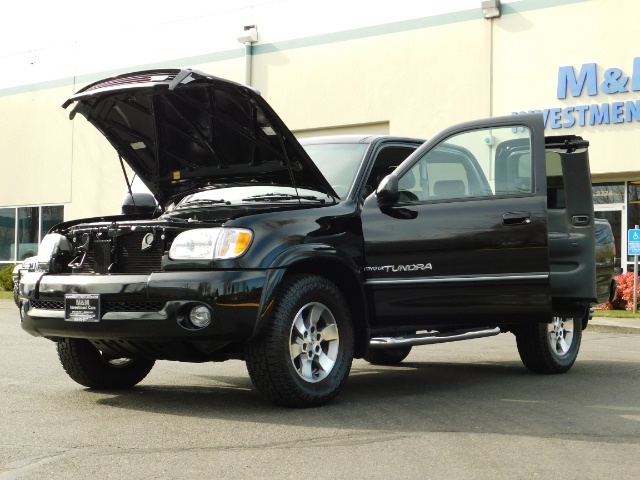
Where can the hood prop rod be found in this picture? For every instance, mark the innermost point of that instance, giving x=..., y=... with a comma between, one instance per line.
x=126, y=179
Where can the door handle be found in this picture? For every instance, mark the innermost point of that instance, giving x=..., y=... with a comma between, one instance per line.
x=580, y=220
x=516, y=218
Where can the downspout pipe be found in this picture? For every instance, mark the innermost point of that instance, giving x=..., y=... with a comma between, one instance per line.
x=248, y=57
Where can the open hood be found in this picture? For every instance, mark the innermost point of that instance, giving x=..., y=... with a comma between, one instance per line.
x=183, y=129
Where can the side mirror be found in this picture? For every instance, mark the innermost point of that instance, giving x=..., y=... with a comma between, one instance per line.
x=387, y=192
x=142, y=202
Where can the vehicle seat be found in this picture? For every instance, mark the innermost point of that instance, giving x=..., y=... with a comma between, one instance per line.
x=405, y=184
x=449, y=189
x=522, y=184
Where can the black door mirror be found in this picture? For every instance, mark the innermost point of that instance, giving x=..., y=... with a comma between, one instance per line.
x=387, y=192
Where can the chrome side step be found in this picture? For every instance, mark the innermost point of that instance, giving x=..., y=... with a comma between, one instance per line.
x=433, y=337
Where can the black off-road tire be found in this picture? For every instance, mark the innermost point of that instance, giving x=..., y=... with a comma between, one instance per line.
x=541, y=346
x=387, y=356
x=305, y=356
x=86, y=365
x=16, y=298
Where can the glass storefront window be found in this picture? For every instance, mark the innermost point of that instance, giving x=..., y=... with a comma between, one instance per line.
x=615, y=219
x=25, y=226
x=7, y=233
x=28, y=232
x=51, y=215
x=633, y=208
x=605, y=193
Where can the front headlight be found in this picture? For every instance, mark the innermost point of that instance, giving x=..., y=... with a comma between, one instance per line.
x=233, y=242
x=210, y=244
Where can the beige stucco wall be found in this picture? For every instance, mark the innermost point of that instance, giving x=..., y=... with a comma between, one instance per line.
x=35, y=148
x=413, y=81
x=530, y=48
x=408, y=79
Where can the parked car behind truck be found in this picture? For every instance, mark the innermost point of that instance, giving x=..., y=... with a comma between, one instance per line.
x=299, y=258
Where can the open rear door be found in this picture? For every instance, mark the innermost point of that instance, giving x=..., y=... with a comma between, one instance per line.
x=571, y=222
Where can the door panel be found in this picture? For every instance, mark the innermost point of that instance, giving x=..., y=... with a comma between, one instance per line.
x=571, y=225
x=469, y=244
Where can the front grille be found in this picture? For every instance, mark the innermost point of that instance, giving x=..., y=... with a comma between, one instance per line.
x=146, y=306
x=102, y=256
x=134, y=260
x=122, y=254
x=132, y=306
x=47, y=305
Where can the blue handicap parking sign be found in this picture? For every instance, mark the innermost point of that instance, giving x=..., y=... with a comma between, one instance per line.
x=633, y=245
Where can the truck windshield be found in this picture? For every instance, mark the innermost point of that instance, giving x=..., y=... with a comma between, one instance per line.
x=338, y=162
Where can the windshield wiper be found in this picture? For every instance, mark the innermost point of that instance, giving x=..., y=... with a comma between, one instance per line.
x=204, y=201
x=276, y=197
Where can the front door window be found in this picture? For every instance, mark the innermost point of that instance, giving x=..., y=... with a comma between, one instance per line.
x=478, y=163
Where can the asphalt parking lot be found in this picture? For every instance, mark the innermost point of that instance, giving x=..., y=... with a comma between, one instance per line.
x=459, y=410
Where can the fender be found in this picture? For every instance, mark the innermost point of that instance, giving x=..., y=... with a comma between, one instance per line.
x=326, y=259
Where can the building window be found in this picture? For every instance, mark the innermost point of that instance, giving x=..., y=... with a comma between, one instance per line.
x=633, y=210
x=606, y=193
x=7, y=233
x=22, y=229
x=51, y=215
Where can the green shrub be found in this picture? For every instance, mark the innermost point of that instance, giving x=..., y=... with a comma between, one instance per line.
x=5, y=278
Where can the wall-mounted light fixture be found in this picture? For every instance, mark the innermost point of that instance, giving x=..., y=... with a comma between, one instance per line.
x=249, y=34
x=491, y=9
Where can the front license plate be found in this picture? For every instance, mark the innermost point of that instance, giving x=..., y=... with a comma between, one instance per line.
x=82, y=307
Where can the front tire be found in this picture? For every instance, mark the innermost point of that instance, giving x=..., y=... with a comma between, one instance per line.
x=16, y=294
x=86, y=365
x=304, y=358
x=550, y=347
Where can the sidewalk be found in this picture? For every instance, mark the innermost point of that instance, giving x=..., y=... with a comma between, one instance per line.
x=614, y=325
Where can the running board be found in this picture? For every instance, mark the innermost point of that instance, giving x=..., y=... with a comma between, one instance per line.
x=431, y=338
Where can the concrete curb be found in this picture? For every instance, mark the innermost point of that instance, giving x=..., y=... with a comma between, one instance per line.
x=614, y=325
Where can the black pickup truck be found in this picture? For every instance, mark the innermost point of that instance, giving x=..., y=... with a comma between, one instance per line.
x=300, y=256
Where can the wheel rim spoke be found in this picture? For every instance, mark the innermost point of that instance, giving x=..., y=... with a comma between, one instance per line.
x=560, y=335
x=330, y=332
x=325, y=362
x=299, y=327
x=296, y=350
x=316, y=313
x=563, y=346
x=307, y=370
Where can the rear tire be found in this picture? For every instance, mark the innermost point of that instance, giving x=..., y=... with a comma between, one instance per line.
x=550, y=347
x=86, y=365
x=305, y=356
